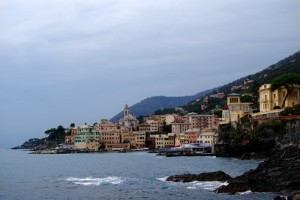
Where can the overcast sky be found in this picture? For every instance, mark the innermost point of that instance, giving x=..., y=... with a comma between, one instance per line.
x=64, y=61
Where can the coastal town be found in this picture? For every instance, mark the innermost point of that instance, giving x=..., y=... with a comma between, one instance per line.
x=197, y=132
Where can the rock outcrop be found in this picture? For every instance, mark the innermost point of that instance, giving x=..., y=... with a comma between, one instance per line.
x=280, y=172
x=210, y=176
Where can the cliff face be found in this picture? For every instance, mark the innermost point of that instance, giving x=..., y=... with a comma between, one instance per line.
x=280, y=172
x=281, y=169
x=290, y=134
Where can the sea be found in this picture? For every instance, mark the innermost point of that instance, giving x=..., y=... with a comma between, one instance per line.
x=137, y=175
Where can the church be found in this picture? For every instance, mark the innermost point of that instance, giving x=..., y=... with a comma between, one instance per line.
x=128, y=120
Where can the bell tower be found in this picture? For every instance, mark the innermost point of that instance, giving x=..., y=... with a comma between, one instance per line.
x=126, y=111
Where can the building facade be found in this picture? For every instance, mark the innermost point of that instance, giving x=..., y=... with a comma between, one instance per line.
x=268, y=99
x=163, y=140
x=203, y=121
x=237, y=109
x=85, y=135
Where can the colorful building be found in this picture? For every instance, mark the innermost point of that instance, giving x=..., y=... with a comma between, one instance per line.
x=163, y=140
x=85, y=135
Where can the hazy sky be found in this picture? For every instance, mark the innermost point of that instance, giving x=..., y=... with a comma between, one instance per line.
x=64, y=61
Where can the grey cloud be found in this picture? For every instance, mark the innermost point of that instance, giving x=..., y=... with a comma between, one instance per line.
x=85, y=59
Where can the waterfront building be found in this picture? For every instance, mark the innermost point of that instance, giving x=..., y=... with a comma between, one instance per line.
x=136, y=138
x=85, y=134
x=237, y=109
x=163, y=140
x=128, y=120
x=177, y=129
x=207, y=137
x=109, y=133
x=191, y=135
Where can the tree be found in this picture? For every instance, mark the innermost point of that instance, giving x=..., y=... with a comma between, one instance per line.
x=166, y=128
x=291, y=111
x=218, y=113
x=288, y=81
x=101, y=147
x=158, y=112
x=56, y=133
x=246, y=99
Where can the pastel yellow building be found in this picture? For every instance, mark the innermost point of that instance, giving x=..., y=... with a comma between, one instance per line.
x=237, y=109
x=270, y=102
x=269, y=99
x=136, y=138
x=163, y=140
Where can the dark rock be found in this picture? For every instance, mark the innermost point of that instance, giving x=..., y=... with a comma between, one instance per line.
x=294, y=196
x=280, y=172
x=280, y=198
x=210, y=176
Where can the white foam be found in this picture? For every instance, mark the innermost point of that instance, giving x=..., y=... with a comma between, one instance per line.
x=208, y=185
x=95, y=181
x=192, y=188
x=246, y=192
x=163, y=179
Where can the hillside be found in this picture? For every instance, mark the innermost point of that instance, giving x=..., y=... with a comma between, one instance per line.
x=147, y=106
x=290, y=64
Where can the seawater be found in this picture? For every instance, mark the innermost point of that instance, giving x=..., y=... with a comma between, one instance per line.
x=138, y=175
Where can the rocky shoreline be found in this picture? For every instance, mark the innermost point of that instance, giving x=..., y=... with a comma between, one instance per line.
x=210, y=176
x=278, y=173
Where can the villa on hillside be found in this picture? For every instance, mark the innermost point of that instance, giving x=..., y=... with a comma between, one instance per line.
x=271, y=101
x=235, y=109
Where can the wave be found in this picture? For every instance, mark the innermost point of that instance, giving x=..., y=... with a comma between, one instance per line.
x=246, y=192
x=206, y=185
x=163, y=179
x=95, y=181
x=212, y=156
